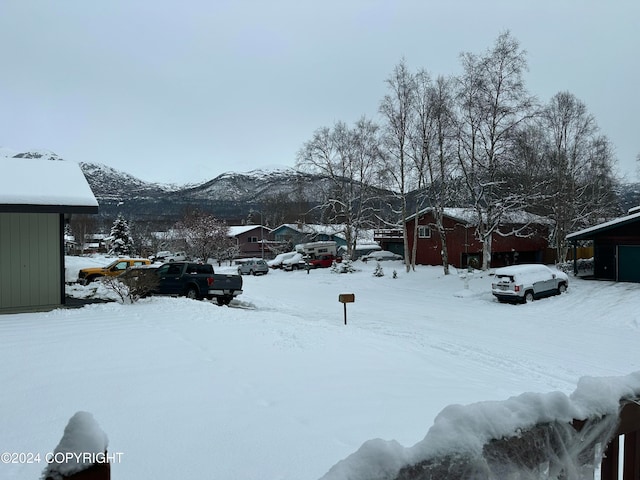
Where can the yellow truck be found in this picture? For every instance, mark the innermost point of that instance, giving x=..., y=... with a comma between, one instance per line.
x=115, y=268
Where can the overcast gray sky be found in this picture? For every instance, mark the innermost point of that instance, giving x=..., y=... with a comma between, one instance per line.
x=181, y=91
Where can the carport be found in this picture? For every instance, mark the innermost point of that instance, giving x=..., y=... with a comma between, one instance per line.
x=616, y=248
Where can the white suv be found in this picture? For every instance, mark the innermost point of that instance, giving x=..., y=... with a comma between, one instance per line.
x=524, y=283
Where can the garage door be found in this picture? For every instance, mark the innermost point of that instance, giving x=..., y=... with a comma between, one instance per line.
x=629, y=263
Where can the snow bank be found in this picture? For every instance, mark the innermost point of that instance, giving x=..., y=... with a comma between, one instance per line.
x=83, y=439
x=464, y=430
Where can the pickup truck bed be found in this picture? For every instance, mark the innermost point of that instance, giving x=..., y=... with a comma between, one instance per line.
x=192, y=280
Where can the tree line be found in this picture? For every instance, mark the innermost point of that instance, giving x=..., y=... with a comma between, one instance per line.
x=478, y=139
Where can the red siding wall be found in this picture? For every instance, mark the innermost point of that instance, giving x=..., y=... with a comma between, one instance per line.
x=462, y=244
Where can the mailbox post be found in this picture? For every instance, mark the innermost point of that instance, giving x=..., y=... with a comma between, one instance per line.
x=345, y=298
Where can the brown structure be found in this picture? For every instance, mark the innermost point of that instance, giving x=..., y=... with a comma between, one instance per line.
x=252, y=240
x=528, y=245
x=616, y=248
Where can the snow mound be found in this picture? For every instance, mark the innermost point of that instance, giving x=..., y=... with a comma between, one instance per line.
x=83, y=438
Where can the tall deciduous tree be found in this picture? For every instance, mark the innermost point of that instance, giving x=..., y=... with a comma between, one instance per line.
x=205, y=236
x=442, y=167
x=81, y=227
x=348, y=157
x=432, y=147
x=398, y=110
x=580, y=164
x=421, y=146
x=493, y=102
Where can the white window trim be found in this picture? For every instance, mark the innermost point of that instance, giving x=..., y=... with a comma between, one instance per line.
x=421, y=231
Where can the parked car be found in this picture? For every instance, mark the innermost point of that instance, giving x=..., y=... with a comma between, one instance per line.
x=170, y=257
x=160, y=256
x=296, y=262
x=324, y=261
x=524, y=283
x=253, y=266
x=381, y=256
x=277, y=262
x=115, y=268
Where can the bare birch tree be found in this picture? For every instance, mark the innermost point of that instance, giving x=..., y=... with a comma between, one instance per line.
x=397, y=109
x=493, y=102
x=441, y=165
x=431, y=142
x=205, y=236
x=349, y=158
x=421, y=144
x=579, y=163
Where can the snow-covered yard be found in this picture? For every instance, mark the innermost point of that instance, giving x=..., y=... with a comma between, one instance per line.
x=276, y=386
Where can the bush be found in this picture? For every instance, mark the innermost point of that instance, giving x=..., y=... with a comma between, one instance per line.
x=345, y=267
x=585, y=266
x=132, y=285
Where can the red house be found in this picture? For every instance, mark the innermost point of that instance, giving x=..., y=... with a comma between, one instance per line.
x=527, y=246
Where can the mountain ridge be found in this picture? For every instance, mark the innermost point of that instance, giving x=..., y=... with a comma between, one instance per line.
x=230, y=195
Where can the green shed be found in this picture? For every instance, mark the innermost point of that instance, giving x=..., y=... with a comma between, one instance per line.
x=36, y=198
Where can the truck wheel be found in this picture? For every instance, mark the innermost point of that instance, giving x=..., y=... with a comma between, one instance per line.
x=192, y=293
x=94, y=278
x=528, y=297
x=220, y=301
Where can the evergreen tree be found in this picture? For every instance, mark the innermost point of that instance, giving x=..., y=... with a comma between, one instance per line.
x=122, y=243
x=378, y=272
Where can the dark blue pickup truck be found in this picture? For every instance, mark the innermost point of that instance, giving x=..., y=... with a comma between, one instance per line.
x=192, y=280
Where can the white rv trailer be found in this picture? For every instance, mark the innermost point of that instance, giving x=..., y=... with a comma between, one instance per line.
x=315, y=249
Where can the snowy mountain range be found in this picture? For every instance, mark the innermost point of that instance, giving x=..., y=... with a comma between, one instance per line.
x=230, y=196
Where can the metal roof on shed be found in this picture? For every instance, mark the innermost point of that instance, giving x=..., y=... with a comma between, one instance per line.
x=589, y=233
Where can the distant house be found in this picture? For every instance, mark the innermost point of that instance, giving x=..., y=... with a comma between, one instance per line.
x=390, y=239
x=295, y=233
x=36, y=198
x=464, y=248
x=616, y=248
x=252, y=240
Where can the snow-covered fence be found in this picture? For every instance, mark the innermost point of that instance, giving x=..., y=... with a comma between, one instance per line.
x=552, y=436
x=594, y=448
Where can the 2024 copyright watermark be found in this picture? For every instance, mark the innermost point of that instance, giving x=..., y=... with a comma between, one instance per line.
x=61, y=457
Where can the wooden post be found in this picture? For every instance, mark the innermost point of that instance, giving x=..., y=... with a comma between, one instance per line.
x=345, y=298
x=609, y=467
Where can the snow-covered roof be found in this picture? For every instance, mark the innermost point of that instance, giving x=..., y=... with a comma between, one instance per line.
x=42, y=185
x=470, y=216
x=235, y=230
x=588, y=232
x=309, y=228
x=336, y=231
